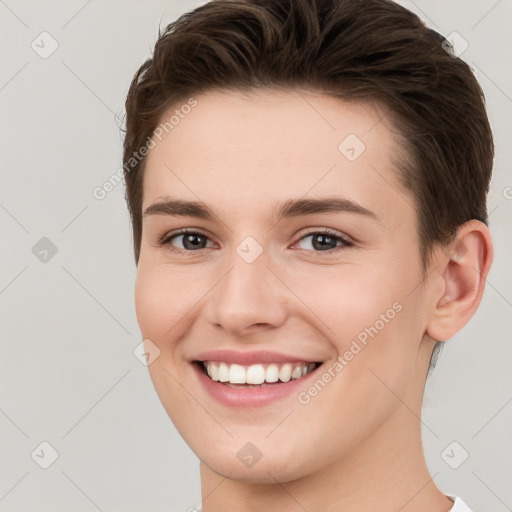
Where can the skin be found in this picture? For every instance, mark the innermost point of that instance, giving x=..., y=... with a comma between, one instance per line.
x=356, y=445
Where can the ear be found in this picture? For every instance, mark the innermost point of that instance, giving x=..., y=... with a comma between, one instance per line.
x=463, y=266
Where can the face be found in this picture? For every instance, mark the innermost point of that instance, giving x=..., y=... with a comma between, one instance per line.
x=297, y=269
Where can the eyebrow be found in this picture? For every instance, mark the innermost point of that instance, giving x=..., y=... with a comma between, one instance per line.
x=290, y=208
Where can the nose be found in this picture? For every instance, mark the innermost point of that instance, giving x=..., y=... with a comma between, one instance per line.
x=249, y=298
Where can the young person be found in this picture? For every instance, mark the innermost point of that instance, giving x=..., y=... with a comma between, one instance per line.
x=307, y=185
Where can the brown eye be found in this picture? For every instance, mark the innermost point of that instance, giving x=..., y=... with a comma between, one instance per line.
x=323, y=241
x=186, y=241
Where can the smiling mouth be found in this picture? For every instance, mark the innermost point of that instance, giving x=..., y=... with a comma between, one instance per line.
x=255, y=375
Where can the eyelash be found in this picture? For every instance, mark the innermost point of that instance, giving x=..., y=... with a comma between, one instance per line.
x=345, y=243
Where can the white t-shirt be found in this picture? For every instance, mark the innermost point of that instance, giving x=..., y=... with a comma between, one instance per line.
x=458, y=505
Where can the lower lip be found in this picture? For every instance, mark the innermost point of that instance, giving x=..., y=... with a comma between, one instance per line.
x=250, y=397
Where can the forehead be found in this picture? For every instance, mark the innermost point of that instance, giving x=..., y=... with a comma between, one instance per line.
x=254, y=149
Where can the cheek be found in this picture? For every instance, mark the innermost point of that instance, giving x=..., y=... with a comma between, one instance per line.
x=163, y=299
x=369, y=316
x=161, y=309
x=347, y=299
x=150, y=303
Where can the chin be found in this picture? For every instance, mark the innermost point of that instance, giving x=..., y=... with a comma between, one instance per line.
x=274, y=465
x=269, y=472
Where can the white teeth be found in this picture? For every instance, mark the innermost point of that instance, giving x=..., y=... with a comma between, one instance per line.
x=272, y=373
x=285, y=373
x=296, y=372
x=237, y=374
x=223, y=372
x=213, y=371
x=256, y=374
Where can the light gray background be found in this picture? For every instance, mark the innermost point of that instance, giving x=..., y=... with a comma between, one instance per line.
x=68, y=373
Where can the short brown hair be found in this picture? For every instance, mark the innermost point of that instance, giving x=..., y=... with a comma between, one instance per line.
x=366, y=50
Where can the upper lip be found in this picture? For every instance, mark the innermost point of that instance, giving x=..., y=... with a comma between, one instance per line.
x=246, y=358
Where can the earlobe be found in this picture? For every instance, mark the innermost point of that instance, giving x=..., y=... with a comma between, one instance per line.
x=463, y=267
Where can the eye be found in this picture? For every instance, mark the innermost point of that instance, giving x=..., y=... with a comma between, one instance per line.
x=186, y=241
x=324, y=241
